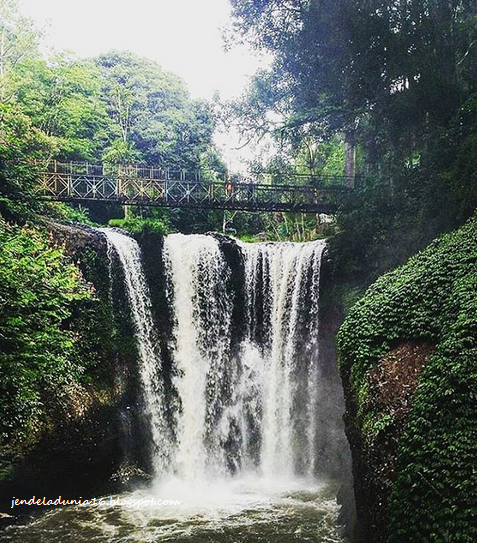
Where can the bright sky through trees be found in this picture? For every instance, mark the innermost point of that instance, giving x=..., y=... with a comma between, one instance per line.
x=183, y=36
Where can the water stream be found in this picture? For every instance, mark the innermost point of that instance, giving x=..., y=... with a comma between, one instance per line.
x=237, y=461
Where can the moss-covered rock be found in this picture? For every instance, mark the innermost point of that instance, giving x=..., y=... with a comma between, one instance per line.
x=408, y=360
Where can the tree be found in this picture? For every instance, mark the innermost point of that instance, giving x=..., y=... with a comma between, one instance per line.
x=154, y=113
x=63, y=99
x=359, y=62
x=20, y=143
x=17, y=41
x=396, y=80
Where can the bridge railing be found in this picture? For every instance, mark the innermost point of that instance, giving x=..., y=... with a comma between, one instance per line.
x=148, y=185
x=136, y=171
x=144, y=171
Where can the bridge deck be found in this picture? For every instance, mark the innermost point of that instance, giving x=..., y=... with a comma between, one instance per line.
x=157, y=187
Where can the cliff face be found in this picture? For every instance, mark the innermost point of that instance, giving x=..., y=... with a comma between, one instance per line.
x=83, y=434
x=408, y=361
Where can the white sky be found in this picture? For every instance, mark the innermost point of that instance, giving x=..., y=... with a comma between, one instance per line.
x=182, y=36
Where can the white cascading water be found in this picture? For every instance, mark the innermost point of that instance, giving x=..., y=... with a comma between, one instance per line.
x=313, y=358
x=288, y=276
x=237, y=461
x=263, y=393
x=252, y=408
x=201, y=345
x=137, y=290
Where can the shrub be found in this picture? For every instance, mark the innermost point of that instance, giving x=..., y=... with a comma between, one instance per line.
x=38, y=288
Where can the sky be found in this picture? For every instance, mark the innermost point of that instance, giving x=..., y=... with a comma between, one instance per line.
x=182, y=36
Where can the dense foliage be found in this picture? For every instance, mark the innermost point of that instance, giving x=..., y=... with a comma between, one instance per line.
x=157, y=120
x=18, y=140
x=431, y=299
x=39, y=288
x=118, y=107
x=397, y=82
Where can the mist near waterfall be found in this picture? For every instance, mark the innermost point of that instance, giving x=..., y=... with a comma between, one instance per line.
x=234, y=396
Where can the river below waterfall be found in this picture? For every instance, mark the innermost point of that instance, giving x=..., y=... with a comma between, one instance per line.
x=239, y=510
x=239, y=432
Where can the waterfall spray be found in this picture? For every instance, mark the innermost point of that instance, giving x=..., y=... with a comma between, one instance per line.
x=255, y=410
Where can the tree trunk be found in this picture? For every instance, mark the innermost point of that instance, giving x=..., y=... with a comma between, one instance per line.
x=350, y=158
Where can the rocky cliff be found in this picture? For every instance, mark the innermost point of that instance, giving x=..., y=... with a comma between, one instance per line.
x=408, y=361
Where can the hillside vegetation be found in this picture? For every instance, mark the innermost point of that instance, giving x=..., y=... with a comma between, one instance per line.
x=415, y=460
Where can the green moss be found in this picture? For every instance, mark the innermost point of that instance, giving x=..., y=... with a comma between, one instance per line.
x=432, y=298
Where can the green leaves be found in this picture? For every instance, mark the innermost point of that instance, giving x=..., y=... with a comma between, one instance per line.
x=117, y=107
x=154, y=117
x=138, y=225
x=63, y=99
x=432, y=298
x=38, y=288
x=397, y=80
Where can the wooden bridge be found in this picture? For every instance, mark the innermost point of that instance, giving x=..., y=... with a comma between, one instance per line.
x=151, y=186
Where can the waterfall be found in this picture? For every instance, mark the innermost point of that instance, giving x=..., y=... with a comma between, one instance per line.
x=254, y=408
x=137, y=291
x=282, y=283
x=201, y=346
x=237, y=408
x=230, y=381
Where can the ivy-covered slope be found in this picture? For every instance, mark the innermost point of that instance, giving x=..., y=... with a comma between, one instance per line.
x=408, y=359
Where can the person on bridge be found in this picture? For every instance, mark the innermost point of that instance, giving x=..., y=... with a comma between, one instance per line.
x=230, y=187
x=250, y=188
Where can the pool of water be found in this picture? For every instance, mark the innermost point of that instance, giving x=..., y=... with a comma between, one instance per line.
x=241, y=510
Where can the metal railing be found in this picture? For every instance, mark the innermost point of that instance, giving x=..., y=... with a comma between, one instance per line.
x=147, y=185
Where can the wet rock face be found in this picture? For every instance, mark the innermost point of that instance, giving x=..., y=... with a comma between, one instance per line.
x=391, y=385
x=234, y=259
x=76, y=236
x=70, y=461
x=331, y=318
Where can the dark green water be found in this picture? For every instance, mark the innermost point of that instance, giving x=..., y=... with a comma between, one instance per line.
x=245, y=511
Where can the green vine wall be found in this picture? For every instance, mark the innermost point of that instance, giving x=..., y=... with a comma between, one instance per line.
x=416, y=468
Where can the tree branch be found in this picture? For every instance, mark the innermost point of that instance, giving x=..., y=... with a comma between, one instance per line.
x=467, y=53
